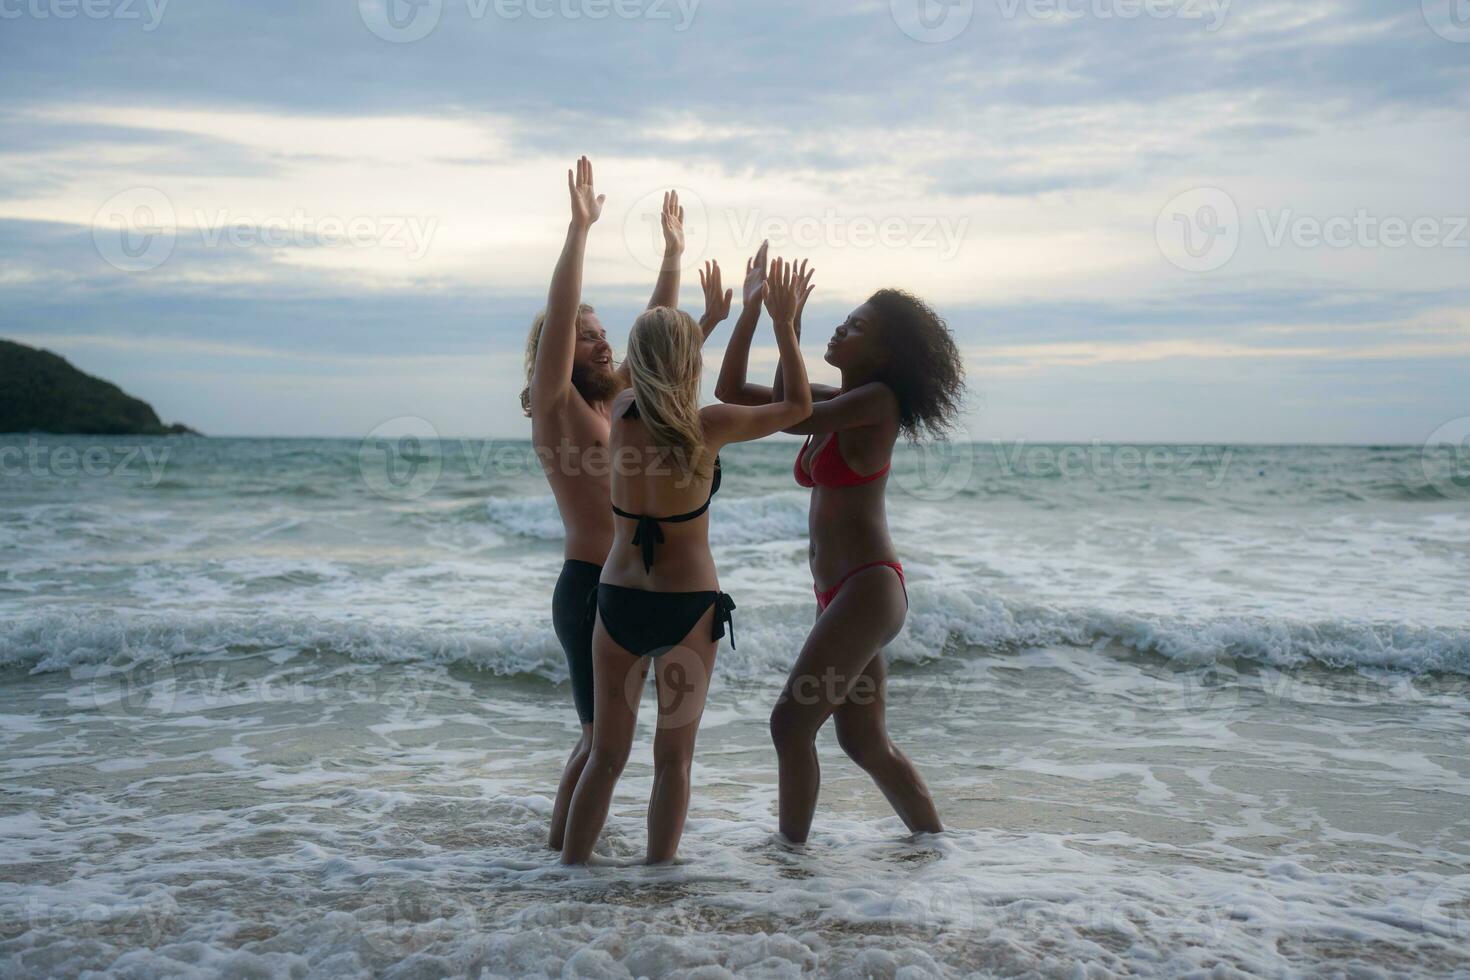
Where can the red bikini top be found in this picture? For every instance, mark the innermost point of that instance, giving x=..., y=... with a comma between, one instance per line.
x=829, y=469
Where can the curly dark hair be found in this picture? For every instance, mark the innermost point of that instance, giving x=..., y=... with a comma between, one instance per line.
x=924, y=366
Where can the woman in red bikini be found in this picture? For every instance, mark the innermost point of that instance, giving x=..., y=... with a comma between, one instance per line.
x=901, y=373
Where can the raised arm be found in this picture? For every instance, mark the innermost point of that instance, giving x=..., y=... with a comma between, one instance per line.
x=742, y=423
x=716, y=298
x=666, y=287
x=870, y=404
x=804, y=289
x=732, y=386
x=551, y=379
x=671, y=219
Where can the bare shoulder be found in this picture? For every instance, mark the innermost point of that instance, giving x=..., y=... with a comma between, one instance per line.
x=876, y=392
x=871, y=404
x=889, y=412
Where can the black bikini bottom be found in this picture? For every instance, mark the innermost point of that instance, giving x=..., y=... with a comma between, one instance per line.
x=648, y=624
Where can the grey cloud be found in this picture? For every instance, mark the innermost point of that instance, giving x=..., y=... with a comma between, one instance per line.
x=826, y=66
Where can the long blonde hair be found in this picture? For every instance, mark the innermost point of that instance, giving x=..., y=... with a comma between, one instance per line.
x=533, y=343
x=665, y=363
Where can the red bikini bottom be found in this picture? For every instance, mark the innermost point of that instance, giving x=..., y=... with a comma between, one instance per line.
x=824, y=599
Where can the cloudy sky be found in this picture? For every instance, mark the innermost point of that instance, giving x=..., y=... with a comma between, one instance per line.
x=1172, y=220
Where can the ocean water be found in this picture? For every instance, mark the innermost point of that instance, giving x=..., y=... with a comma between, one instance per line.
x=294, y=708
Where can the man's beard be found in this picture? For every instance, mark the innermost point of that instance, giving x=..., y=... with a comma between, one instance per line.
x=594, y=384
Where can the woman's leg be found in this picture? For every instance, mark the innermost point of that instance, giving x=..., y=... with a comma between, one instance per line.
x=683, y=676
x=569, y=776
x=862, y=731
x=865, y=616
x=614, y=716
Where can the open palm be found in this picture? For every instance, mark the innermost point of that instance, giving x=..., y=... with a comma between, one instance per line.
x=672, y=220
x=586, y=202
x=716, y=297
x=755, y=277
x=781, y=291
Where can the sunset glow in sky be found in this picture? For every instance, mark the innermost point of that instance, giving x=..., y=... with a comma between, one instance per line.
x=1173, y=221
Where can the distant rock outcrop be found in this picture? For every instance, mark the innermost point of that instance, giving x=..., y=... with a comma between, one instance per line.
x=42, y=392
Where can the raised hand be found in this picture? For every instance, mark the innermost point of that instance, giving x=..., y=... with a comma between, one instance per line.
x=716, y=301
x=781, y=293
x=672, y=221
x=586, y=203
x=755, y=277
x=804, y=287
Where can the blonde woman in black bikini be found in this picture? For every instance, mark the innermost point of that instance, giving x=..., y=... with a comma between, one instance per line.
x=901, y=374
x=659, y=602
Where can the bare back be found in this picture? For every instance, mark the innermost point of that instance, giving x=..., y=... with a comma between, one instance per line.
x=646, y=481
x=571, y=443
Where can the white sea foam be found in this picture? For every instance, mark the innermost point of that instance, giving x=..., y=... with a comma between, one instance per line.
x=527, y=517
x=860, y=902
x=62, y=641
x=941, y=624
x=238, y=735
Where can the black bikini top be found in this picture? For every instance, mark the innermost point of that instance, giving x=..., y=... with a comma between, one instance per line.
x=648, y=534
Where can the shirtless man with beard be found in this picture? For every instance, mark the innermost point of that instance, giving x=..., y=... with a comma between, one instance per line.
x=570, y=384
